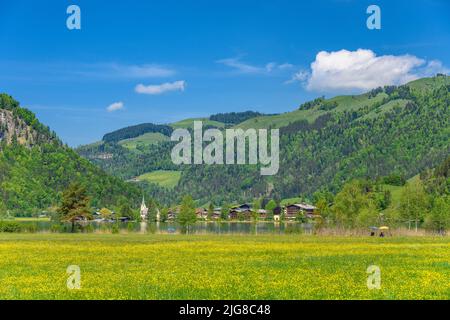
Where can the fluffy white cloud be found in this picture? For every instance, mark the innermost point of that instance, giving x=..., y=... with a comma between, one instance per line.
x=115, y=106
x=161, y=88
x=362, y=70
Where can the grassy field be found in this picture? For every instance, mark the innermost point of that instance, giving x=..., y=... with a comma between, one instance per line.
x=165, y=178
x=31, y=219
x=134, y=266
x=144, y=140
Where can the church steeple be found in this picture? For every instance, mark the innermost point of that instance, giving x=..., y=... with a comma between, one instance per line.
x=143, y=202
x=144, y=209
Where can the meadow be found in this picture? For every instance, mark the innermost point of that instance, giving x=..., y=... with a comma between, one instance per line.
x=165, y=178
x=151, y=266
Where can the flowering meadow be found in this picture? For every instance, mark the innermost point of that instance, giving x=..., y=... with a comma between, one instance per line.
x=139, y=266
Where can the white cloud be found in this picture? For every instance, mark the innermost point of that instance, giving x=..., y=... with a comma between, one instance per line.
x=239, y=66
x=245, y=68
x=120, y=71
x=362, y=70
x=435, y=66
x=299, y=76
x=115, y=106
x=143, y=71
x=161, y=88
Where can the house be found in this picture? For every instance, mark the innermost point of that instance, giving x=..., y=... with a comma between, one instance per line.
x=217, y=214
x=201, y=213
x=237, y=213
x=245, y=206
x=171, y=216
x=292, y=210
x=262, y=213
x=277, y=213
x=172, y=213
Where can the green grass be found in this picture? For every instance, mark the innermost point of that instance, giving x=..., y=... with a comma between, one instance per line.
x=31, y=219
x=144, y=140
x=164, y=178
x=139, y=266
x=396, y=191
x=429, y=83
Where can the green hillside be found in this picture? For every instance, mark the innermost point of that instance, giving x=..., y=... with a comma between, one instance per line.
x=344, y=103
x=35, y=166
x=323, y=144
x=428, y=84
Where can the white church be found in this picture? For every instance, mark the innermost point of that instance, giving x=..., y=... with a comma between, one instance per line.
x=144, y=211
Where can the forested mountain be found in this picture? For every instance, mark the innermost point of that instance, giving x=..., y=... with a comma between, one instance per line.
x=323, y=144
x=35, y=166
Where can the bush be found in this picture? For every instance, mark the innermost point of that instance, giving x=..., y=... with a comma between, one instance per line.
x=395, y=179
x=56, y=228
x=10, y=226
x=31, y=228
x=89, y=228
x=115, y=228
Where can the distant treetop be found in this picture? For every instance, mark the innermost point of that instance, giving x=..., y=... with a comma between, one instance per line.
x=136, y=131
x=235, y=117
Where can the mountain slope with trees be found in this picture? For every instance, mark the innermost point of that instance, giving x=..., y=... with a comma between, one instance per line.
x=36, y=167
x=324, y=143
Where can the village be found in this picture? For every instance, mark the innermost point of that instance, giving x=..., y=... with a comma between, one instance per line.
x=243, y=212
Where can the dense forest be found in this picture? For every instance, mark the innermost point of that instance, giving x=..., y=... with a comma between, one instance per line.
x=234, y=117
x=393, y=130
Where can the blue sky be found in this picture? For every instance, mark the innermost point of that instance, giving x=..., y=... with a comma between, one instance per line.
x=162, y=61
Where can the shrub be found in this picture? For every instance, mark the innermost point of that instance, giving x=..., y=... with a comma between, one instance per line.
x=10, y=226
x=115, y=228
